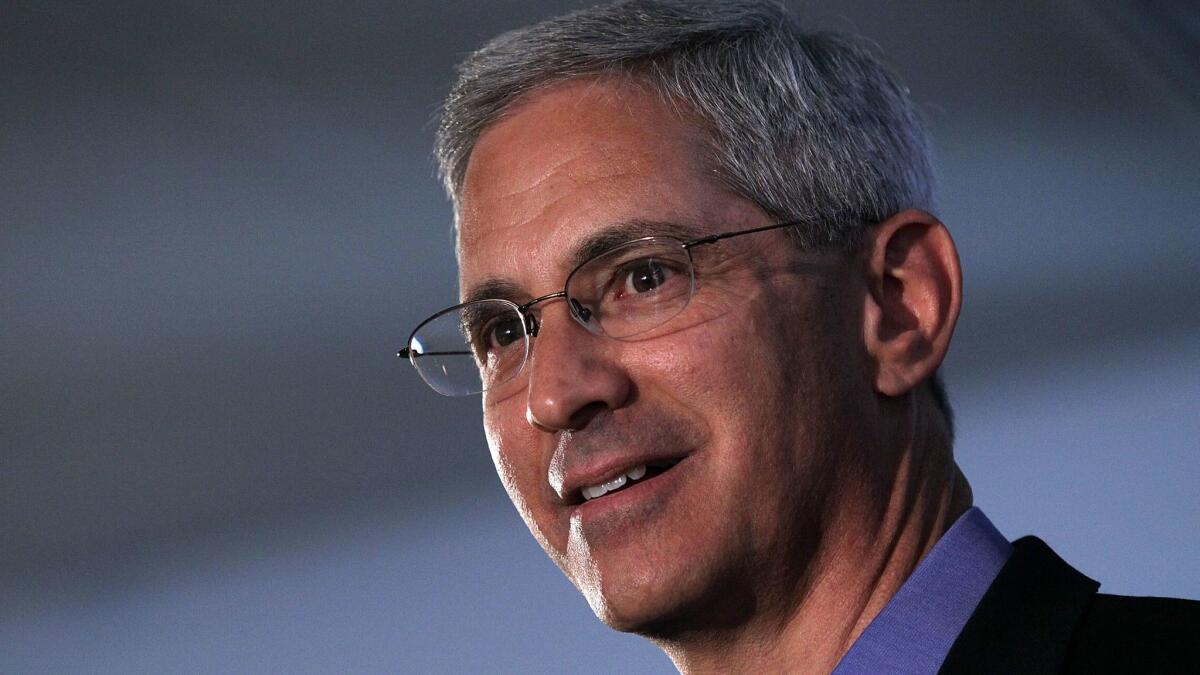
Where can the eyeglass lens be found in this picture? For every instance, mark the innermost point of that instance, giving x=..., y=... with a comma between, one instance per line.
x=621, y=293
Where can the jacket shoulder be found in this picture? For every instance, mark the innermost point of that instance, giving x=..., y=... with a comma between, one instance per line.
x=1120, y=633
x=1026, y=620
x=1040, y=615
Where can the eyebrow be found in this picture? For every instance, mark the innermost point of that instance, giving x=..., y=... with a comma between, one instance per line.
x=496, y=289
x=601, y=241
x=608, y=238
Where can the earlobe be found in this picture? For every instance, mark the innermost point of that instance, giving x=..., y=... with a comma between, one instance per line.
x=914, y=293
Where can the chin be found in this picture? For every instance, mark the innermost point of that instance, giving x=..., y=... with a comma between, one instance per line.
x=665, y=601
x=650, y=620
x=627, y=597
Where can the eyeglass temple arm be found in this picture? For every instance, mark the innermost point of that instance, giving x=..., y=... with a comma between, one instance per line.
x=726, y=235
x=405, y=353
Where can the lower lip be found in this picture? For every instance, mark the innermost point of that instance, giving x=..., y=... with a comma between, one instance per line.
x=641, y=497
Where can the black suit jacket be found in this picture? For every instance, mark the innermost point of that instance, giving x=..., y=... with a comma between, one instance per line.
x=1042, y=616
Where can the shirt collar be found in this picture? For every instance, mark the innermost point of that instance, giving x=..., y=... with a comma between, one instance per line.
x=915, y=630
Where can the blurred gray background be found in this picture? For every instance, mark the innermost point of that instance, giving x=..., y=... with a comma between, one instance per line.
x=217, y=223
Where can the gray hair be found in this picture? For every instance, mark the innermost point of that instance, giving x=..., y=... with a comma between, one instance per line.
x=809, y=126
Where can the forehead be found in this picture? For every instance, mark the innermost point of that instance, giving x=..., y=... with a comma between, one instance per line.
x=573, y=160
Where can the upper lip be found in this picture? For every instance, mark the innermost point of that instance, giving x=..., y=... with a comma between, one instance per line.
x=604, y=469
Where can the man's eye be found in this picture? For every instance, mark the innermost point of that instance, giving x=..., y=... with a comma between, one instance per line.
x=643, y=276
x=501, y=332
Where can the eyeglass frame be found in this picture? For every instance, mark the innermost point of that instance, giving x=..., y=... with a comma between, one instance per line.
x=529, y=322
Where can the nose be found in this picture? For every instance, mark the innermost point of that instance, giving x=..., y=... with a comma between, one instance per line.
x=573, y=374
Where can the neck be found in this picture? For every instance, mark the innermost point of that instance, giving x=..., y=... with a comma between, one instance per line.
x=872, y=544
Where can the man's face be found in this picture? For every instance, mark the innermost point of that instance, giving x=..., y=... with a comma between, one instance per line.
x=739, y=408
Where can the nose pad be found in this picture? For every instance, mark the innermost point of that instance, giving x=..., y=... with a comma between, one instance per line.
x=531, y=324
x=583, y=314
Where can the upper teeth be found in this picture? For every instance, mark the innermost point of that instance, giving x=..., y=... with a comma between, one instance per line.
x=593, y=491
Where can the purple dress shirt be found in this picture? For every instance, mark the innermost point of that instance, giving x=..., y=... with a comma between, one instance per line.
x=914, y=631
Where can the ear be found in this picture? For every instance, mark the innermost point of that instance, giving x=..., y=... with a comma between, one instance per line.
x=914, y=293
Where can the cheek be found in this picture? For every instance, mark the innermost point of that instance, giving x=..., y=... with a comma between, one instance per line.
x=510, y=453
x=762, y=385
x=514, y=448
x=505, y=469
x=724, y=369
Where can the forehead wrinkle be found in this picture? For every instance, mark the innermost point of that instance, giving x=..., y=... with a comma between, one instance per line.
x=581, y=170
x=567, y=171
x=547, y=173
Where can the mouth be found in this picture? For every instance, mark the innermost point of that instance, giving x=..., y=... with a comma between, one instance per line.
x=625, y=480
